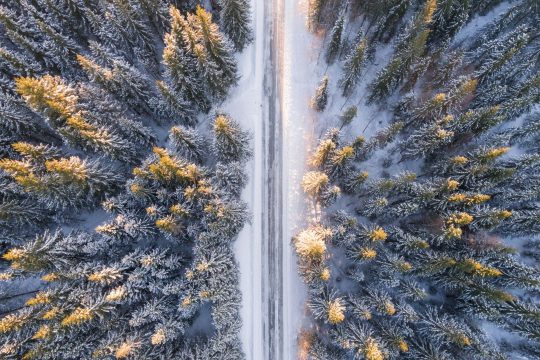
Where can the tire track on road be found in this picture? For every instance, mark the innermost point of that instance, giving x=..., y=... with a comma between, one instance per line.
x=273, y=202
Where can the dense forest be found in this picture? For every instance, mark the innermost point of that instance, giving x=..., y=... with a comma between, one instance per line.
x=120, y=179
x=424, y=240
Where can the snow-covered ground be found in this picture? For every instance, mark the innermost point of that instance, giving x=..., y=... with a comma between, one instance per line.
x=245, y=105
x=299, y=78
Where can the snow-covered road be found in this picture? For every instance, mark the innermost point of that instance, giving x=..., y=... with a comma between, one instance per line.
x=271, y=100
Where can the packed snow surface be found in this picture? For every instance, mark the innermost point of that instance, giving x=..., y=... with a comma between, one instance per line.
x=245, y=105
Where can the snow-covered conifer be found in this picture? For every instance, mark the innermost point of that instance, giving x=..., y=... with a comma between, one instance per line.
x=334, y=46
x=235, y=22
x=348, y=115
x=214, y=54
x=188, y=142
x=320, y=99
x=231, y=143
x=354, y=64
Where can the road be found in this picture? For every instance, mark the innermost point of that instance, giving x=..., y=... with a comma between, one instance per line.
x=290, y=78
x=269, y=103
x=272, y=261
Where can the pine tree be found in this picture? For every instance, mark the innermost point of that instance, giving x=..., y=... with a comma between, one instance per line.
x=354, y=64
x=156, y=12
x=188, y=143
x=360, y=340
x=392, y=16
x=445, y=330
x=335, y=40
x=426, y=140
x=355, y=180
x=182, y=74
x=314, y=182
x=409, y=50
x=329, y=307
x=231, y=178
x=18, y=64
x=340, y=163
x=210, y=50
x=49, y=95
x=234, y=20
x=71, y=14
x=478, y=120
x=494, y=55
x=122, y=80
x=315, y=9
x=311, y=243
x=387, y=80
x=449, y=67
x=62, y=48
x=320, y=99
x=171, y=105
x=320, y=351
x=381, y=139
x=230, y=142
x=448, y=18
x=23, y=36
x=59, y=103
x=59, y=182
x=129, y=21
x=17, y=120
x=322, y=153
x=348, y=115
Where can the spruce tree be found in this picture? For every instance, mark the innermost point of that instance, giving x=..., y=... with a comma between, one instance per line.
x=182, y=74
x=234, y=20
x=348, y=115
x=217, y=55
x=230, y=141
x=354, y=64
x=320, y=99
x=335, y=40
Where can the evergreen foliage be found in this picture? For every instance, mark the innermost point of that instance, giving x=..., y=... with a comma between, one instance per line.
x=234, y=19
x=335, y=40
x=354, y=64
x=111, y=246
x=433, y=254
x=320, y=99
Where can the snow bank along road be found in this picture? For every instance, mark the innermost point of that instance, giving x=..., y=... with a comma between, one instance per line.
x=271, y=290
